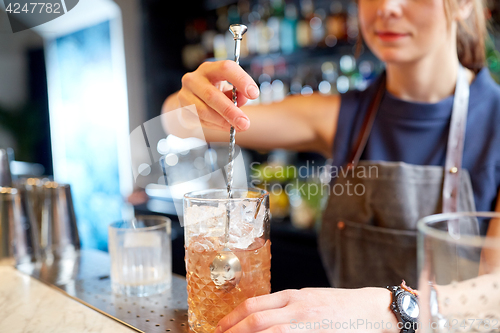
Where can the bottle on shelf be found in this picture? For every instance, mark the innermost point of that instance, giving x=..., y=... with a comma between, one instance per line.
x=273, y=30
x=336, y=23
x=193, y=53
x=207, y=42
x=277, y=8
x=274, y=24
x=317, y=28
x=220, y=47
x=352, y=24
x=304, y=38
x=253, y=32
x=288, y=30
x=284, y=41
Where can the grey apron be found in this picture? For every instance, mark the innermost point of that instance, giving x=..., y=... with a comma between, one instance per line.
x=368, y=238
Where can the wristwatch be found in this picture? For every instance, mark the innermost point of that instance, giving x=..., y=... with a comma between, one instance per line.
x=405, y=306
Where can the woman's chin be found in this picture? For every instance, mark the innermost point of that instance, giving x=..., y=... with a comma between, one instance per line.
x=394, y=56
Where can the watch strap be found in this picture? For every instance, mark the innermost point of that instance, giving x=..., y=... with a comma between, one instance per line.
x=395, y=291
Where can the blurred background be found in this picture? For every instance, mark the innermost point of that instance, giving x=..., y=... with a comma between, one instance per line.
x=76, y=91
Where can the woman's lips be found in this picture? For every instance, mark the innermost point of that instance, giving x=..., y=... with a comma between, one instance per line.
x=389, y=36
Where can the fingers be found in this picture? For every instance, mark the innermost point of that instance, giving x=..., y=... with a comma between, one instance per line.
x=227, y=89
x=207, y=116
x=216, y=99
x=232, y=72
x=208, y=89
x=240, y=98
x=283, y=328
x=206, y=124
x=253, y=305
x=264, y=321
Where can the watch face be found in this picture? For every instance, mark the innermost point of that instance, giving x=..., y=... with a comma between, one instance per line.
x=408, y=305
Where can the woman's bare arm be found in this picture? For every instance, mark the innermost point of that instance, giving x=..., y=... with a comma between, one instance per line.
x=302, y=123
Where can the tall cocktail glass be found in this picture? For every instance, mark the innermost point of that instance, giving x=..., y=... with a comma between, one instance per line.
x=204, y=227
x=459, y=268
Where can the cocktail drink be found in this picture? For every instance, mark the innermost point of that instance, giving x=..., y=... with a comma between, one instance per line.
x=204, y=223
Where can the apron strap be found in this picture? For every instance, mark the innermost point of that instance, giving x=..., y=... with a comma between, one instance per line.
x=455, y=148
x=366, y=128
x=454, y=151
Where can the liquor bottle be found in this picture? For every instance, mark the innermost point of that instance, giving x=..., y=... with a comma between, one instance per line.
x=303, y=26
x=277, y=8
x=262, y=32
x=336, y=23
x=352, y=24
x=193, y=53
x=317, y=27
x=233, y=15
x=207, y=41
x=253, y=32
x=303, y=33
x=288, y=30
x=273, y=30
x=222, y=22
x=306, y=8
x=244, y=13
x=261, y=13
x=220, y=51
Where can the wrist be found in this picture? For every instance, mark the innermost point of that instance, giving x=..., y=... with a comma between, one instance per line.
x=381, y=299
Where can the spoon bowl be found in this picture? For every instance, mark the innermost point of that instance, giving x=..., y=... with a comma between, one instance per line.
x=225, y=270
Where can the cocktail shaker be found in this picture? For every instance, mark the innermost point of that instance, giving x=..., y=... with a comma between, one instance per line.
x=18, y=234
x=33, y=187
x=59, y=237
x=5, y=174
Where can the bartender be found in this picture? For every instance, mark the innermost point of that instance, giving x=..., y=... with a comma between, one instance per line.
x=428, y=126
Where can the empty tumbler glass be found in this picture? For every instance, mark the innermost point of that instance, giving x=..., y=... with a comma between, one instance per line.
x=141, y=255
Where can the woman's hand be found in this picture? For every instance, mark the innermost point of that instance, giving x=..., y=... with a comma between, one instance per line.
x=211, y=94
x=314, y=310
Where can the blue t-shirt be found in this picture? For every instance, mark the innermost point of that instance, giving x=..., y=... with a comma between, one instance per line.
x=417, y=133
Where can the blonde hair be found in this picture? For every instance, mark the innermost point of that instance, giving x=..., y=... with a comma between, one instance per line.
x=471, y=33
